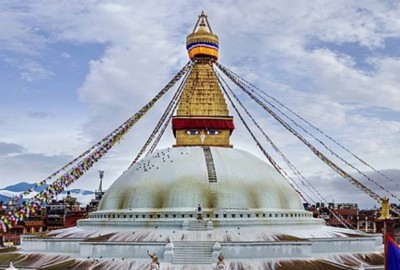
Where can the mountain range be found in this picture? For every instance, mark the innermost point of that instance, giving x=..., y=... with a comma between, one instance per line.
x=83, y=196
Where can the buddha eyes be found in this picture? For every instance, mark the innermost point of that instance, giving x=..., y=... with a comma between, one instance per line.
x=192, y=132
x=212, y=132
x=197, y=132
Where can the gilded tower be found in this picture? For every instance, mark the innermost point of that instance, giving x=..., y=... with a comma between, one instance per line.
x=202, y=117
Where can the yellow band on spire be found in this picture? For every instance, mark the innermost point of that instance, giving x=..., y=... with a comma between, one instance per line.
x=203, y=50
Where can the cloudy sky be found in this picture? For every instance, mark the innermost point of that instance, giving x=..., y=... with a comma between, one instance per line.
x=72, y=71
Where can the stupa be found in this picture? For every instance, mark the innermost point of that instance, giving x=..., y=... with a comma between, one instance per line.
x=202, y=203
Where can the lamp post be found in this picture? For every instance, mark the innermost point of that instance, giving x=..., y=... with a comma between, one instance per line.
x=101, y=174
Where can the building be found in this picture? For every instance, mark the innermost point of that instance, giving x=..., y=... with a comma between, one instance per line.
x=63, y=213
x=56, y=215
x=366, y=221
x=33, y=224
x=344, y=215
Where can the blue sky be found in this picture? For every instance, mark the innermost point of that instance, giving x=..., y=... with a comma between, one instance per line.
x=74, y=70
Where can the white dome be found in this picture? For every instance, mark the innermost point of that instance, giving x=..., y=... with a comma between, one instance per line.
x=177, y=179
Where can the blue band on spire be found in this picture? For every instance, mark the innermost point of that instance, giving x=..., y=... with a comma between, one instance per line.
x=201, y=43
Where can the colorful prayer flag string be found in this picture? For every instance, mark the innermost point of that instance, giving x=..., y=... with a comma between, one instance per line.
x=86, y=160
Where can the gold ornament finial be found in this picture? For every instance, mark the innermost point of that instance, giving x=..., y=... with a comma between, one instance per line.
x=385, y=211
x=202, y=42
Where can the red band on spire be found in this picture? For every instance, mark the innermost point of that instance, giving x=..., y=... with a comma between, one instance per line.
x=193, y=123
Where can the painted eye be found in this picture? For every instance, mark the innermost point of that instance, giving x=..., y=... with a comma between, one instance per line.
x=212, y=132
x=192, y=132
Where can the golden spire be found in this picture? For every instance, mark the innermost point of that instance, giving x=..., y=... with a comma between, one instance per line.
x=202, y=95
x=202, y=41
x=202, y=117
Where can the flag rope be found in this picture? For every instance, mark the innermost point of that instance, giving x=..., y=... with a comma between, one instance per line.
x=315, y=128
x=88, y=159
x=262, y=149
x=318, y=153
x=293, y=183
x=243, y=82
x=164, y=118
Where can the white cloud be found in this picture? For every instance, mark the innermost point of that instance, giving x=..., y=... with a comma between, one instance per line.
x=10, y=148
x=31, y=71
x=29, y=167
x=65, y=55
x=337, y=78
x=328, y=186
x=38, y=115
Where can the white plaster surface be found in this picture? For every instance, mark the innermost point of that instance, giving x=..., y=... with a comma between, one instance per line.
x=176, y=178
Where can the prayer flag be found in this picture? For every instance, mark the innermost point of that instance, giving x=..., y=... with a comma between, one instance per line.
x=392, y=254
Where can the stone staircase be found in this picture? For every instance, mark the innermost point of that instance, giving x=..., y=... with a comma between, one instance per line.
x=212, y=175
x=193, y=252
x=197, y=225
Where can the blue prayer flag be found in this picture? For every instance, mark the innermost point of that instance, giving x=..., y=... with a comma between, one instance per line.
x=392, y=255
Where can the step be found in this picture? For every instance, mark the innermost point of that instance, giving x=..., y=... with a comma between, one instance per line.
x=193, y=243
x=198, y=224
x=198, y=249
x=212, y=175
x=191, y=253
x=205, y=253
x=193, y=262
x=196, y=252
x=186, y=259
x=189, y=256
